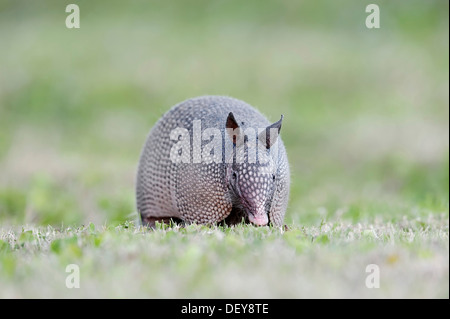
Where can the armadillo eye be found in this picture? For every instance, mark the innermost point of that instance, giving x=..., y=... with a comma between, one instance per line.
x=273, y=176
x=234, y=175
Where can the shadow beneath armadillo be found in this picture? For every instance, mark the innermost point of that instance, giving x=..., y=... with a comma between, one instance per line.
x=236, y=216
x=150, y=222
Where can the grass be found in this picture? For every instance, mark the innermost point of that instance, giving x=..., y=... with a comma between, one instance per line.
x=328, y=260
x=365, y=127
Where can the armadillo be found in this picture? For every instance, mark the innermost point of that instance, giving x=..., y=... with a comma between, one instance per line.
x=198, y=165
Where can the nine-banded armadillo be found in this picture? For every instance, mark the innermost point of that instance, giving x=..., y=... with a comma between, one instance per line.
x=198, y=166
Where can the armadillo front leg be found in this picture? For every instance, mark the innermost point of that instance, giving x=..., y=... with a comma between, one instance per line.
x=281, y=194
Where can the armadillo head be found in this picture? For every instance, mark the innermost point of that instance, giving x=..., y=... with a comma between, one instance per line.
x=251, y=179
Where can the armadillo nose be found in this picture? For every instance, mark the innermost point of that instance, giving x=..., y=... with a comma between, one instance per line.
x=258, y=219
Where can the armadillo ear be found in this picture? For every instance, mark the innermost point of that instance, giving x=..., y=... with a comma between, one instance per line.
x=233, y=130
x=269, y=136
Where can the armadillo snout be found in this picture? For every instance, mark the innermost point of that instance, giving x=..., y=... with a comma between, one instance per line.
x=258, y=219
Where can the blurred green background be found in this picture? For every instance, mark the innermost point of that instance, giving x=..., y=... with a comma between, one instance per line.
x=366, y=110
